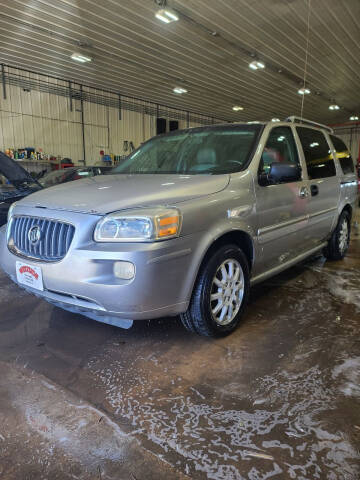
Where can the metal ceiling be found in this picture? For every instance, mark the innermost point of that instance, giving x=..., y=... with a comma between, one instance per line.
x=207, y=51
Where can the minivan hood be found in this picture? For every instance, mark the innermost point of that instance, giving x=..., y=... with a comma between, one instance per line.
x=108, y=193
x=15, y=173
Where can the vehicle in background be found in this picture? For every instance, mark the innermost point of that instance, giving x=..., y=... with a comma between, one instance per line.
x=185, y=224
x=71, y=173
x=16, y=183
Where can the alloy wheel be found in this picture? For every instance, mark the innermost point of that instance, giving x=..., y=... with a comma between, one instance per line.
x=227, y=291
x=343, y=236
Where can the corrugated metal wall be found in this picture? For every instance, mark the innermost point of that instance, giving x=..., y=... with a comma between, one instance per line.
x=40, y=120
x=35, y=118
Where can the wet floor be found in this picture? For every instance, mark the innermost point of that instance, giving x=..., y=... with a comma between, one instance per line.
x=279, y=398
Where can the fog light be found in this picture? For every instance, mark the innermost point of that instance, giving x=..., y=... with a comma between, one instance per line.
x=124, y=270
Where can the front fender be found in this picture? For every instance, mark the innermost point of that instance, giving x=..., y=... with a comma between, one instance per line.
x=207, y=239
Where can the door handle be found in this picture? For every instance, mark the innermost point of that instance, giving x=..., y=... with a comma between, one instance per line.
x=303, y=192
x=314, y=190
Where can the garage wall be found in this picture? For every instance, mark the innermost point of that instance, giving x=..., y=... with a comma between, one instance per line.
x=43, y=120
x=40, y=120
x=32, y=117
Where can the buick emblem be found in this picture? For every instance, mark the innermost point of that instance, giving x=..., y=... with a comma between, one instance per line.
x=34, y=234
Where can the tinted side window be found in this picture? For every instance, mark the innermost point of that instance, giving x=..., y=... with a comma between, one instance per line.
x=80, y=173
x=343, y=154
x=319, y=160
x=280, y=147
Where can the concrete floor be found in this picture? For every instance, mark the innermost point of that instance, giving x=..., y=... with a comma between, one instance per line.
x=279, y=399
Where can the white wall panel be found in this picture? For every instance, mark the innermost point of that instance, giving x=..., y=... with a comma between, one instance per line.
x=96, y=139
x=132, y=127
x=33, y=118
x=40, y=120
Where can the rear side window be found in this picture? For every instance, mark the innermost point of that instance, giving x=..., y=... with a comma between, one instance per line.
x=343, y=154
x=318, y=157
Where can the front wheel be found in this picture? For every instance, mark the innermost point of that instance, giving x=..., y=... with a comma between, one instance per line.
x=339, y=242
x=220, y=294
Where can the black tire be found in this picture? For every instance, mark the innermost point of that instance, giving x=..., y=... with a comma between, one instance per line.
x=199, y=318
x=335, y=250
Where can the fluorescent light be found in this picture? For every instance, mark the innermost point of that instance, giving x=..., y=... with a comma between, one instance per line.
x=252, y=123
x=314, y=144
x=172, y=15
x=303, y=91
x=275, y=119
x=237, y=108
x=167, y=15
x=162, y=17
x=354, y=117
x=80, y=57
x=281, y=138
x=256, y=65
x=179, y=90
x=334, y=107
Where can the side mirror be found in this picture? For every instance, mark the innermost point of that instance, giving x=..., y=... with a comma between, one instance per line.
x=281, y=172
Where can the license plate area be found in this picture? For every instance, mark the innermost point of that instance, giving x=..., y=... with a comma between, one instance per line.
x=29, y=275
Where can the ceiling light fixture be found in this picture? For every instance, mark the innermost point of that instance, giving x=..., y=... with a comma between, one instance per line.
x=179, y=90
x=354, y=117
x=275, y=119
x=237, y=108
x=256, y=65
x=304, y=91
x=80, y=57
x=334, y=107
x=167, y=15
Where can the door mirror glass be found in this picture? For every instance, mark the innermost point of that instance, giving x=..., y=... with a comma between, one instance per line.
x=283, y=173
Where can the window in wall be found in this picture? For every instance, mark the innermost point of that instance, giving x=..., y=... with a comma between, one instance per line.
x=160, y=126
x=173, y=125
x=343, y=154
x=280, y=148
x=318, y=156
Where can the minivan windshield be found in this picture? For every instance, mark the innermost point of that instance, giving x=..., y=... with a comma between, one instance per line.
x=210, y=150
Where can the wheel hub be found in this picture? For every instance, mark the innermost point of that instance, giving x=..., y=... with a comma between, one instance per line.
x=227, y=291
x=343, y=236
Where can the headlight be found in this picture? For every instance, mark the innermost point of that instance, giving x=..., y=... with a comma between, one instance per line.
x=10, y=211
x=140, y=225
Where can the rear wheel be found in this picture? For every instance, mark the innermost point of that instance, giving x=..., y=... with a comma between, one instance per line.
x=339, y=242
x=220, y=294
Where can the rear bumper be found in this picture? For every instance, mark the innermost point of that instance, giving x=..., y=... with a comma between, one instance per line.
x=83, y=282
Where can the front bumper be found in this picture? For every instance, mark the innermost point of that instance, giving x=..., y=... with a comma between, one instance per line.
x=84, y=282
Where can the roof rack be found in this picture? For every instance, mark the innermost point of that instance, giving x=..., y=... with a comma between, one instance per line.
x=294, y=119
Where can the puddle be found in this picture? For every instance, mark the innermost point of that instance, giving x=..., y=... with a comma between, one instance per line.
x=286, y=434
x=349, y=375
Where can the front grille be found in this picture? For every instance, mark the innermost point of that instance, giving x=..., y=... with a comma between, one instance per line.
x=53, y=244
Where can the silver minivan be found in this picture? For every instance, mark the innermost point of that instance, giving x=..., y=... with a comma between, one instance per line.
x=186, y=224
